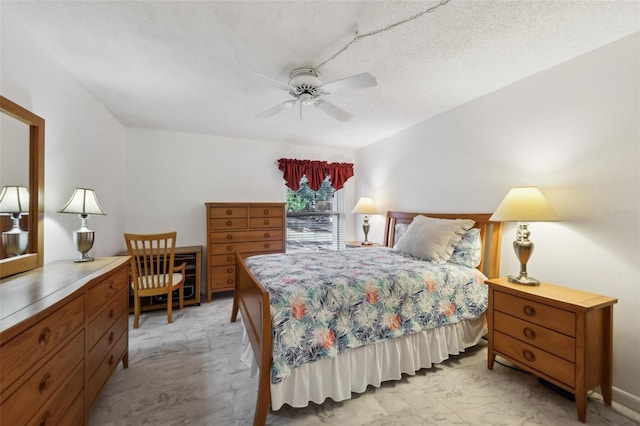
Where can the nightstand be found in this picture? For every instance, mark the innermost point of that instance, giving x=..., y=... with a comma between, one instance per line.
x=559, y=334
x=355, y=244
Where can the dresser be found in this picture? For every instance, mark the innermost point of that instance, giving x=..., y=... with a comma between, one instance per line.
x=245, y=228
x=63, y=331
x=559, y=334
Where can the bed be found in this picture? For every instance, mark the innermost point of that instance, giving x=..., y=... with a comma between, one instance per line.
x=415, y=343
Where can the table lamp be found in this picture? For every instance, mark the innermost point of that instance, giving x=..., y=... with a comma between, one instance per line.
x=83, y=202
x=14, y=201
x=523, y=205
x=365, y=206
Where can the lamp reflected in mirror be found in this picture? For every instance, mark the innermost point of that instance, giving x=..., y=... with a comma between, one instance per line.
x=83, y=202
x=14, y=201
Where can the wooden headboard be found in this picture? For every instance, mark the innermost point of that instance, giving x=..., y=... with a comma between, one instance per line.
x=490, y=233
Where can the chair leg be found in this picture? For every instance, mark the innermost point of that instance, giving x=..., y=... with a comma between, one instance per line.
x=169, y=306
x=136, y=312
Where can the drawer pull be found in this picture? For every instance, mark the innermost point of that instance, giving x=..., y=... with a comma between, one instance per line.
x=229, y=237
x=529, y=333
x=528, y=355
x=267, y=235
x=266, y=222
x=44, y=383
x=229, y=270
x=111, y=313
x=529, y=311
x=43, y=340
x=45, y=419
x=266, y=212
x=229, y=258
x=111, y=360
x=229, y=223
x=229, y=281
x=229, y=248
x=267, y=245
x=111, y=337
x=229, y=212
x=111, y=284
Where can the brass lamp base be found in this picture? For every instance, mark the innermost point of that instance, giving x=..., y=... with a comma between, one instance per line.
x=523, y=248
x=365, y=228
x=83, y=239
x=523, y=279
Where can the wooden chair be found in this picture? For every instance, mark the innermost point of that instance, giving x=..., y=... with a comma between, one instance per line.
x=153, y=271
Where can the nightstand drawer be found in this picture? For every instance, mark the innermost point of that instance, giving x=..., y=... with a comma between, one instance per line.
x=543, y=338
x=535, y=358
x=538, y=313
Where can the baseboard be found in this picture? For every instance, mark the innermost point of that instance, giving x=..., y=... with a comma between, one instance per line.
x=623, y=402
x=626, y=399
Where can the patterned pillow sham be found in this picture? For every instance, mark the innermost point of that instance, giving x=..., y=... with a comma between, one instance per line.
x=401, y=228
x=468, y=252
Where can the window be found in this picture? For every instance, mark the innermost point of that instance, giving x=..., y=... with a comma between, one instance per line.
x=314, y=219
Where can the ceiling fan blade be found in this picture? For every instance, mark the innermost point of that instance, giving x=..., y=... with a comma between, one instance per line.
x=276, y=109
x=332, y=110
x=358, y=81
x=282, y=85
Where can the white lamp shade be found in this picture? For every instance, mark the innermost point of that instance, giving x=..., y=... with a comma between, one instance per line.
x=365, y=205
x=524, y=204
x=14, y=199
x=83, y=201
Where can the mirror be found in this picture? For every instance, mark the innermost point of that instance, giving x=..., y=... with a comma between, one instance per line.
x=22, y=161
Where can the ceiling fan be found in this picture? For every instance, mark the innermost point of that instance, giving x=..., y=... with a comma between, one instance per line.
x=307, y=89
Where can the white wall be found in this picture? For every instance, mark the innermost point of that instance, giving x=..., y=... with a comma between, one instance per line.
x=84, y=143
x=170, y=175
x=572, y=130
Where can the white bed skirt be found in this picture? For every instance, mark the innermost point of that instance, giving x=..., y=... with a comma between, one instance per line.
x=354, y=370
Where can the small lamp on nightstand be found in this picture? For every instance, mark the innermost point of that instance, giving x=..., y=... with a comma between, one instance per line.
x=525, y=204
x=83, y=202
x=365, y=206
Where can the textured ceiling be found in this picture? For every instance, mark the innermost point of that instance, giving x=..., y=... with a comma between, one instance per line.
x=184, y=65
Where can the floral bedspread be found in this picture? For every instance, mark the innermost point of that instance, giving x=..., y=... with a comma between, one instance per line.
x=325, y=303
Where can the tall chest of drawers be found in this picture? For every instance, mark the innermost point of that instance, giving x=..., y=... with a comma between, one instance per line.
x=63, y=330
x=245, y=228
x=559, y=334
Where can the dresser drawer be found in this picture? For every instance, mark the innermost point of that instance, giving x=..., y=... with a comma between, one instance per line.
x=243, y=236
x=225, y=212
x=266, y=222
x=222, y=259
x=107, y=317
x=56, y=409
x=556, y=343
x=266, y=211
x=23, y=351
x=43, y=383
x=100, y=294
x=106, y=341
x=223, y=276
x=104, y=369
x=538, y=313
x=539, y=360
x=258, y=246
x=229, y=223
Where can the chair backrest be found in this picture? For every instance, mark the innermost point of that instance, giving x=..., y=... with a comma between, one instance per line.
x=152, y=257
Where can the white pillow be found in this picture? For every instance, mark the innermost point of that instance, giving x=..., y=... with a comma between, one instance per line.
x=433, y=239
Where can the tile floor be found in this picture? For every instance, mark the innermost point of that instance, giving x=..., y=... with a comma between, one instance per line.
x=189, y=373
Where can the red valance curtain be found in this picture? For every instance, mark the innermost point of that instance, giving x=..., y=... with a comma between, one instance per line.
x=315, y=171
